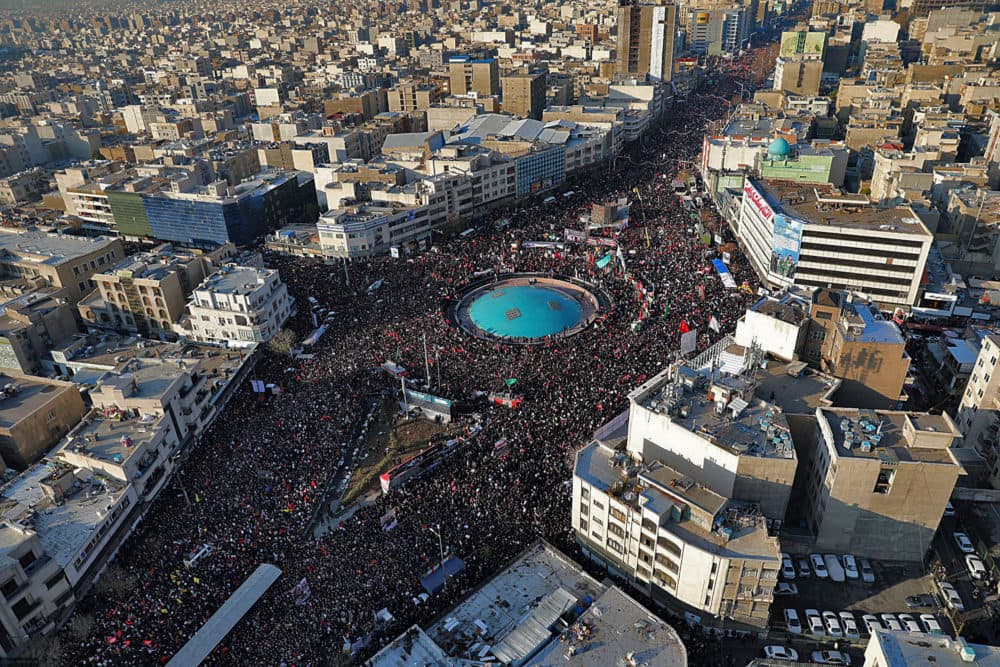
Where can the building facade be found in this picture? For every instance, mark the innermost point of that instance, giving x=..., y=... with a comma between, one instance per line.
x=239, y=306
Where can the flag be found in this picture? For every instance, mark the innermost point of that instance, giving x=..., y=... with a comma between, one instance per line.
x=684, y=328
x=511, y=382
x=666, y=310
x=713, y=324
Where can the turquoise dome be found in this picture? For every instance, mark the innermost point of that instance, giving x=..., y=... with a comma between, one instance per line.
x=779, y=148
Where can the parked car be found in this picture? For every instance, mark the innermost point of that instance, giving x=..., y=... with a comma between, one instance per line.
x=867, y=571
x=909, y=623
x=781, y=653
x=964, y=543
x=815, y=621
x=891, y=623
x=804, y=571
x=834, y=567
x=851, y=567
x=949, y=509
x=792, y=621
x=787, y=567
x=786, y=589
x=931, y=624
x=871, y=623
x=831, y=658
x=850, y=625
x=819, y=566
x=951, y=596
x=975, y=566
x=832, y=624
x=922, y=600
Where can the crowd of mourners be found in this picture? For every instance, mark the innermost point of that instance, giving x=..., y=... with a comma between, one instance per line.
x=251, y=485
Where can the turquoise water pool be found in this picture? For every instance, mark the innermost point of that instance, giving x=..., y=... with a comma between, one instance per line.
x=525, y=311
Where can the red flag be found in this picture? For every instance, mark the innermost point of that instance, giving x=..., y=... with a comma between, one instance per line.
x=684, y=328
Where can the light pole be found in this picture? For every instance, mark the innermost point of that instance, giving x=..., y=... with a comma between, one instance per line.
x=444, y=575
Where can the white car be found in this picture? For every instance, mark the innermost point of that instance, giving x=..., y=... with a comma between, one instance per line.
x=867, y=571
x=951, y=596
x=804, y=571
x=792, y=621
x=815, y=621
x=949, y=509
x=931, y=624
x=964, y=543
x=786, y=589
x=909, y=623
x=871, y=623
x=819, y=566
x=891, y=623
x=975, y=566
x=850, y=567
x=850, y=625
x=781, y=653
x=831, y=658
x=787, y=569
x=832, y=624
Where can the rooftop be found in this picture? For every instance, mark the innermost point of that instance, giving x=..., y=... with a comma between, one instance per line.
x=235, y=280
x=824, y=204
x=66, y=527
x=719, y=407
x=43, y=248
x=23, y=396
x=800, y=392
x=112, y=436
x=902, y=649
x=511, y=615
x=863, y=322
x=892, y=437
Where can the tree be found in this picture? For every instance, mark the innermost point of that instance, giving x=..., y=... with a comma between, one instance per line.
x=117, y=582
x=282, y=342
x=81, y=626
x=45, y=651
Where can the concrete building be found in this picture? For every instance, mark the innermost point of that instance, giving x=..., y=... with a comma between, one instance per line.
x=56, y=261
x=519, y=611
x=905, y=649
x=978, y=415
x=524, y=95
x=238, y=306
x=30, y=325
x=815, y=236
x=35, y=413
x=147, y=292
x=879, y=481
x=646, y=36
x=678, y=498
x=468, y=75
x=796, y=76
x=409, y=97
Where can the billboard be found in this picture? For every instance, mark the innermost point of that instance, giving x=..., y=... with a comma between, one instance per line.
x=757, y=201
x=786, y=245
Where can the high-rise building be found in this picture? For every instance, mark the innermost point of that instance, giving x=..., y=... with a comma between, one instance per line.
x=646, y=40
x=524, y=95
x=467, y=75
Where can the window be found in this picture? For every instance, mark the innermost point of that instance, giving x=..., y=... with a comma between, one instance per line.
x=615, y=530
x=27, y=559
x=598, y=521
x=584, y=510
x=598, y=505
x=22, y=608
x=54, y=580
x=615, y=546
x=618, y=514
x=9, y=587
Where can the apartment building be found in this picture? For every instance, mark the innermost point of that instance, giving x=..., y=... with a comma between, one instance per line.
x=469, y=75
x=147, y=292
x=31, y=324
x=409, y=97
x=879, y=480
x=35, y=413
x=645, y=40
x=51, y=260
x=680, y=498
x=238, y=306
x=815, y=236
x=978, y=416
x=524, y=94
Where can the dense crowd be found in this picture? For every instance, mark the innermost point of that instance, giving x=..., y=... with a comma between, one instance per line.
x=252, y=484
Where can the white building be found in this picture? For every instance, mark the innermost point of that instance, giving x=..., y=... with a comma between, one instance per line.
x=979, y=412
x=686, y=512
x=778, y=326
x=905, y=649
x=238, y=306
x=814, y=236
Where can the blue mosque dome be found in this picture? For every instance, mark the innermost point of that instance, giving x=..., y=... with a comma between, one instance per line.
x=779, y=148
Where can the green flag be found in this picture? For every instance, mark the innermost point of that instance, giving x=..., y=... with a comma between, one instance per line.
x=666, y=310
x=511, y=382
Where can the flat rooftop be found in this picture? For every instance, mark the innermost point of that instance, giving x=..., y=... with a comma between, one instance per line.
x=500, y=608
x=613, y=627
x=873, y=327
x=111, y=439
x=65, y=528
x=884, y=431
x=42, y=248
x=796, y=395
x=903, y=649
x=31, y=396
x=235, y=280
x=757, y=428
x=824, y=204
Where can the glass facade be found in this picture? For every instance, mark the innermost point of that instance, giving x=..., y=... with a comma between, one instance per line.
x=540, y=171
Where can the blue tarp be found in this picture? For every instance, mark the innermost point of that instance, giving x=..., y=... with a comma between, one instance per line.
x=724, y=275
x=434, y=581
